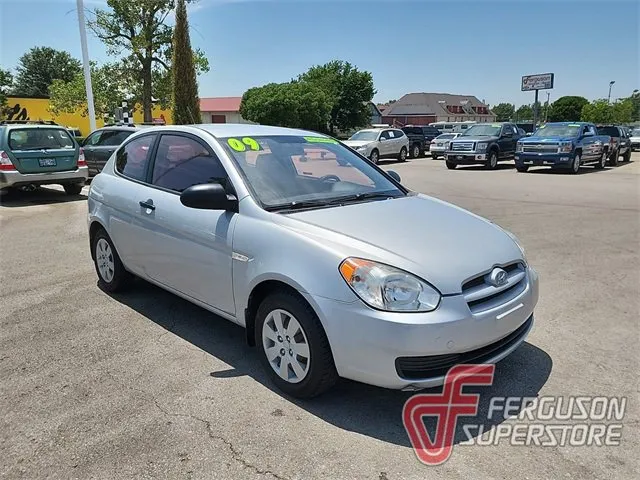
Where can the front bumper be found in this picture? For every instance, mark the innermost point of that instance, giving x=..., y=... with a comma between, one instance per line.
x=469, y=158
x=542, y=159
x=14, y=178
x=367, y=344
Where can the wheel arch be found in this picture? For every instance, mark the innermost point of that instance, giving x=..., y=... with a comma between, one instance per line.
x=94, y=228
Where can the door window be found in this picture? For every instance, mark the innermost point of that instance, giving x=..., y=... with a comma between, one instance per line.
x=182, y=162
x=92, y=139
x=112, y=138
x=385, y=135
x=132, y=159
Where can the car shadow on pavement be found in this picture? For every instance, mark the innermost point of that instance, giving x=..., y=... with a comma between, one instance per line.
x=352, y=406
x=39, y=196
x=500, y=166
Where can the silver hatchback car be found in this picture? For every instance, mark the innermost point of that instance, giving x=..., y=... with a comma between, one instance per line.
x=334, y=268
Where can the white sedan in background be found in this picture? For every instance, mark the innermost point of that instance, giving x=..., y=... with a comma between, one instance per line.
x=440, y=144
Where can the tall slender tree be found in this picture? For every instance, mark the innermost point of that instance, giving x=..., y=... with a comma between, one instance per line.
x=185, y=100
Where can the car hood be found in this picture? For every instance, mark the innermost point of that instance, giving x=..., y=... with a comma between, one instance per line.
x=437, y=241
x=357, y=143
x=546, y=139
x=472, y=138
x=635, y=138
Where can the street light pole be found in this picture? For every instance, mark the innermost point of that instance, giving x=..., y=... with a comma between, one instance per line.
x=610, y=85
x=546, y=110
x=87, y=66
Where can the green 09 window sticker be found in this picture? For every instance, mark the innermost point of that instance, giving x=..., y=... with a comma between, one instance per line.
x=241, y=144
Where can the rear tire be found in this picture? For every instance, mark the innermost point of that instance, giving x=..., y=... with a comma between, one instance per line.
x=451, y=165
x=415, y=151
x=602, y=162
x=73, y=188
x=402, y=156
x=627, y=156
x=319, y=371
x=522, y=168
x=112, y=276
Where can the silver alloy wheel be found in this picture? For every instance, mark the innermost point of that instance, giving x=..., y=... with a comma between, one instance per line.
x=286, y=346
x=416, y=151
x=403, y=154
x=603, y=160
x=104, y=260
x=575, y=167
x=493, y=160
x=374, y=157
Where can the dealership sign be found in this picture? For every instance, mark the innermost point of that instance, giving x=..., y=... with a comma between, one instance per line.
x=542, y=81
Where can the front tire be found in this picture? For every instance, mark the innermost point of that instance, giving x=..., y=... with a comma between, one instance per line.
x=451, y=165
x=627, y=156
x=492, y=164
x=374, y=156
x=73, y=188
x=402, y=156
x=112, y=276
x=294, y=349
x=575, y=165
x=613, y=159
x=602, y=162
x=522, y=168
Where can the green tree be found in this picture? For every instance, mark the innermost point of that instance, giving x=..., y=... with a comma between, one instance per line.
x=39, y=67
x=567, y=109
x=185, y=102
x=138, y=27
x=6, y=80
x=623, y=111
x=504, y=112
x=347, y=89
x=293, y=104
x=598, y=111
x=524, y=112
x=635, y=99
x=109, y=84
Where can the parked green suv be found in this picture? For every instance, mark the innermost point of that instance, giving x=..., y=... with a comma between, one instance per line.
x=40, y=154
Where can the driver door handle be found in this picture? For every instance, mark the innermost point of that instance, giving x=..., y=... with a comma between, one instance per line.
x=148, y=204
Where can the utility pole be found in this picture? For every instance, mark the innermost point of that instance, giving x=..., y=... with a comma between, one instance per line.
x=86, y=65
x=610, y=85
x=535, y=110
x=546, y=110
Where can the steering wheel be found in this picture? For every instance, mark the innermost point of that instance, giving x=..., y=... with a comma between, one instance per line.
x=330, y=178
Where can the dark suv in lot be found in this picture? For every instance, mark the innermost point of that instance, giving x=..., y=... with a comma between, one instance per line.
x=420, y=137
x=620, y=145
x=101, y=143
x=485, y=144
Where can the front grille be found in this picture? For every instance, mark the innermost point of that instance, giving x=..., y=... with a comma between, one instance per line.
x=415, y=368
x=462, y=146
x=481, y=295
x=540, y=148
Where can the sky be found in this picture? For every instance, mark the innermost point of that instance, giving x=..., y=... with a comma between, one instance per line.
x=480, y=47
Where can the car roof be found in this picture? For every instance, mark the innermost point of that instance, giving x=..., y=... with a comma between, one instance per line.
x=246, y=129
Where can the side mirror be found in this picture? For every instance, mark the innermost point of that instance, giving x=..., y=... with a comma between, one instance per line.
x=382, y=139
x=393, y=174
x=208, y=196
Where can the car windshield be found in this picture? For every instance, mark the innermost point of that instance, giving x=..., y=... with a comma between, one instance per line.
x=445, y=136
x=547, y=131
x=482, y=131
x=285, y=172
x=39, y=139
x=364, y=135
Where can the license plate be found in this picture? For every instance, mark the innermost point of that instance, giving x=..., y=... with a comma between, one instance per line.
x=47, y=162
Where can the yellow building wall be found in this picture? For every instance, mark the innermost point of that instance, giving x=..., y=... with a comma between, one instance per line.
x=22, y=108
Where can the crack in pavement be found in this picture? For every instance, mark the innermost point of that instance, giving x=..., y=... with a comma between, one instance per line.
x=235, y=454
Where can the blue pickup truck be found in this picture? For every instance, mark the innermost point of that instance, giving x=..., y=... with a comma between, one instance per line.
x=565, y=145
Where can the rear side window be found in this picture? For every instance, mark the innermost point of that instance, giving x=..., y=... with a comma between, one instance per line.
x=412, y=130
x=132, y=159
x=182, y=162
x=39, y=138
x=398, y=133
x=611, y=131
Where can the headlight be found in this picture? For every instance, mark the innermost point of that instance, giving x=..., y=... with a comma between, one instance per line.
x=565, y=147
x=361, y=148
x=518, y=147
x=481, y=146
x=387, y=288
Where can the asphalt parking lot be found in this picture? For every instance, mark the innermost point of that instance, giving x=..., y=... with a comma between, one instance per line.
x=146, y=385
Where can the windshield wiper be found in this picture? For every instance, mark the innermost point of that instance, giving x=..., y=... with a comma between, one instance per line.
x=331, y=202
